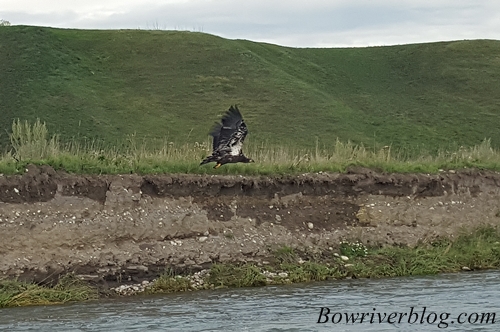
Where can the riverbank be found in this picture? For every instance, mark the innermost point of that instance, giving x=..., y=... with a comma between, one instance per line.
x=128, y=230
x=476, y=250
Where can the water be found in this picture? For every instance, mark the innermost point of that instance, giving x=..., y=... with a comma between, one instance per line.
x=283, y=308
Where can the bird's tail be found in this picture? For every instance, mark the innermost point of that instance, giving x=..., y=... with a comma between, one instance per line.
x=207, y=160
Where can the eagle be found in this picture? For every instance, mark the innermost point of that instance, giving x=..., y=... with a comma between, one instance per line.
x=228, y=138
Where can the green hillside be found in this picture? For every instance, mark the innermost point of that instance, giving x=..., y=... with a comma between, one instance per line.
x=107, y=84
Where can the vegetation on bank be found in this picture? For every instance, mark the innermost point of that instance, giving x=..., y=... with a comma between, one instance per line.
x=15, y=293
x=31, y=143
x=102, y=85
x=476, y=250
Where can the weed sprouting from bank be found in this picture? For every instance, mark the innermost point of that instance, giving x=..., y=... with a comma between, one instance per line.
x=32, y=143
x=285, y=255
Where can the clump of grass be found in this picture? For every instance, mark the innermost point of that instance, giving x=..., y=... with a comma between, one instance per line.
x=310, y=271
x=228, y=275
x=69, y=288
x=169, y=282
x=32, y=141
x=285, y=255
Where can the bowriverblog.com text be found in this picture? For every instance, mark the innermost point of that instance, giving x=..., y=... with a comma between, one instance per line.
x=412, y=316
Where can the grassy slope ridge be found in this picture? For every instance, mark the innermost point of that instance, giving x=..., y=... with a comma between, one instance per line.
x=107, y=84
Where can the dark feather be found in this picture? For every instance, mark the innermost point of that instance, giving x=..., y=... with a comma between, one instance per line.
x=228, y=138
x=215, y=133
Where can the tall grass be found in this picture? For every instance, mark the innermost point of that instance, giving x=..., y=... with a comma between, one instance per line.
x=32, y=143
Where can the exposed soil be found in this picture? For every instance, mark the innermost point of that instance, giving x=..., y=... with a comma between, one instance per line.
x=129, y=228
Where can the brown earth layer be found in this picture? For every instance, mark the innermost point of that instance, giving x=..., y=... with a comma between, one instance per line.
x=129, y=228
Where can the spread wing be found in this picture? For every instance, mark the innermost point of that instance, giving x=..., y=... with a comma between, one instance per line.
x=230, y=134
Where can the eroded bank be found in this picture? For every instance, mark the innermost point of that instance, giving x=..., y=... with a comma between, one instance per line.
x=129, y=228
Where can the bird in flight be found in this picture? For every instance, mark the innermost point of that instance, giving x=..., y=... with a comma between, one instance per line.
x=228, y=138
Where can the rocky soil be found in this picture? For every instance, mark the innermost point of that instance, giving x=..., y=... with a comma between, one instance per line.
x=114, y=230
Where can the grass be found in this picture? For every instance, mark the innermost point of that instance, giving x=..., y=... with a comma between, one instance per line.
x=474, y=250
x=479, y=250
x=310, y=271
x=105, y=85
x=68, y=289
x=228, y=275
x=285, y=255
x=168, y=282
x=32, y=143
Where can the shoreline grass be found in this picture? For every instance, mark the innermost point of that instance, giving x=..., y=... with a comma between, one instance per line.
x=32, y=144
x=474, y=250
x=14, y=293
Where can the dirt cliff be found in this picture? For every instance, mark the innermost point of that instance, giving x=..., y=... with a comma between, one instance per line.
x=112, y=229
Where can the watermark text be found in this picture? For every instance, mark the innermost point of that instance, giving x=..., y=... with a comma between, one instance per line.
x=412, y=316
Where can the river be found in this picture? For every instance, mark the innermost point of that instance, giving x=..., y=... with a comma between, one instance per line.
x=453, y=302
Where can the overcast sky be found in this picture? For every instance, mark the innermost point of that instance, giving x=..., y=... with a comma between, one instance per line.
x=311, y=23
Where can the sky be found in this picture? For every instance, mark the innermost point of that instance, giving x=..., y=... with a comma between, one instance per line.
x=311, y=23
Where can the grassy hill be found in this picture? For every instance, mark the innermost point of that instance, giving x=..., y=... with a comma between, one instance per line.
x=105, y=85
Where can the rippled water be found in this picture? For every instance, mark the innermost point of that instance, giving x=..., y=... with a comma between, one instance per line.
x=284, y=308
